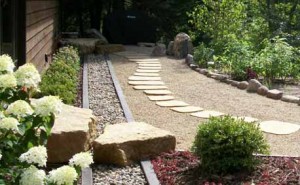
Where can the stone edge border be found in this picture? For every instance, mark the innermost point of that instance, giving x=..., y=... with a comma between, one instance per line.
x=146, y=164
x=87, y=173
x=222, y=78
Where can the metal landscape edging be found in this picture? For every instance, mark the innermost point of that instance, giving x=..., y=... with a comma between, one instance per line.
x=146, y=164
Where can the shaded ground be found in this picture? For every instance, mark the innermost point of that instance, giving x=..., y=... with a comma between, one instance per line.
x=198, y=90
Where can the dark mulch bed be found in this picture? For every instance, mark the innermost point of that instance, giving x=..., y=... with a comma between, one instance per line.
x=181, y=167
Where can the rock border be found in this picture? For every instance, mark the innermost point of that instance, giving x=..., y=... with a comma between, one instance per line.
x=146, y=164
x=241, y=85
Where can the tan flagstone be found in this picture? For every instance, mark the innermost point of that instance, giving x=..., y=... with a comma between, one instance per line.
x=147, y=71
x=143, y=78
x=187, y=109
x=149, y=65
x=144, y=60
x=151, y=68
x=150, y=62
x=146, y=74
x=149, y=87
x=171, y=103
x=160, y=98
x=278, y=127
x=157, y=92
x=146, y=83
x=207, y=113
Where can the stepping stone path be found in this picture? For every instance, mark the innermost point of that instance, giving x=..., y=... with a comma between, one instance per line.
x=161, y=98
x=148, y=72
x=148, y=87
x=187, y=109
x=171, y=103
x=143, y=78
x=157, y=92
x=207, y=113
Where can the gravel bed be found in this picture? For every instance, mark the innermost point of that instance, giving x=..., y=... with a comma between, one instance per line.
x=106, y=106
x=198, y=90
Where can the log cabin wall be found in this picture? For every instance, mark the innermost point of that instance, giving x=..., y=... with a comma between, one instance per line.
x=41, y=31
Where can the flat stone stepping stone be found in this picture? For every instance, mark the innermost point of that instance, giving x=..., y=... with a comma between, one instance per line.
x=149, y=65
x=146, y=83
x=160, y=98
x=146, y=74
x=143, y=78
x=171, y=103
x=278, y=127
x=187, y=109
x=153, y=62
x=207, y=113
x=145, y=60
x=246, y=118
x=147, y=71
x=157, y=92
x=151, y=68
x=148, y=87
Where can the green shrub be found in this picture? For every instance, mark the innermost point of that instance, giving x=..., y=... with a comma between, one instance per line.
x=61, y=78
x=203, y=54
x=226, y=145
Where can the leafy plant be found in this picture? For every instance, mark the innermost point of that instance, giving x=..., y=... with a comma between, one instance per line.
x=61, y=78
x=226, y=145
x=203, y=54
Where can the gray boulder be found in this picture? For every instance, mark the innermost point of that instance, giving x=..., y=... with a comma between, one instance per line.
x=182, y=45
x=93, y=33
x=159, y=50
x=189, y=59
x=253, y=85
x=170, y=48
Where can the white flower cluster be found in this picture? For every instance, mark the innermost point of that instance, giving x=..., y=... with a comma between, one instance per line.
x=47, y=105
x=8, y=81
x=19, y=108
x=1, y=115
x=6, y=64
x=9, y=124
x=0, y=156
x=83, y=160
x=35, y=155
x=33, y=176
x=28, y=76
x=65, y=175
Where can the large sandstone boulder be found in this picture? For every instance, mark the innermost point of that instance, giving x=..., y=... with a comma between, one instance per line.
x=290, y=99
x=84, y=45
x=109, y=48
x=182, y=45
x=274, y=94
x=243, y=85
x=74, y=131
x=93, y=33
x=253, y=85
x=263, y=90
x=122, y=144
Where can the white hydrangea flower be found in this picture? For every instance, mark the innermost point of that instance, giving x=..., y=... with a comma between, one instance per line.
x=9, y=124
x=6, y=64
x=0, y=156
x=28, y=76
x=8, y=81
x=46, y=105
x=83, y=159
x=33, y=176
x=19, y=108
x=65, y=175
x=35, y=155
x=1, y=115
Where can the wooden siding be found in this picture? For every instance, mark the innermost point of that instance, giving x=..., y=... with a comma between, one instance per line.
x=41, y=30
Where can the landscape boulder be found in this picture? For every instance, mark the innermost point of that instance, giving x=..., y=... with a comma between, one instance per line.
x=290, y=99
x=189, y=59
x=109, y=48
x=274, y=94
x=74, y=131
x=126, y=143
x=253, y=85
x=93, y=33
x=170, y=48
x=84, y=45
x=263, y=90
x=159, y=50
x=243, y=85
x=182, y=45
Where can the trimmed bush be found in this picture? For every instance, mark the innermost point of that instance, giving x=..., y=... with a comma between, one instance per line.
x=226, y=145
x=61, y=78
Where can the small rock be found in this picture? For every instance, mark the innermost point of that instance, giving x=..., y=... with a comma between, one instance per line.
x=253, y=85
x=290, y=99
x=228, y=81
x=235, y=83
x=189, y=59
x=170, y=48
x=274, y=94
x=193, y=66
x=263, y=90
x=203, y=71
x=198, y=69
x=243, y=85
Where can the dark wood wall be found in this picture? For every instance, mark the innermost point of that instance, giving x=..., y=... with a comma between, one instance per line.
x=41, y=30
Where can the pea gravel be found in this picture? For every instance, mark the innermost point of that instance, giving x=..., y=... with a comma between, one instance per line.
x=106, y=106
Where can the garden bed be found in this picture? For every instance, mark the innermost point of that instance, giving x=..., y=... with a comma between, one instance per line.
x=182, y=167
